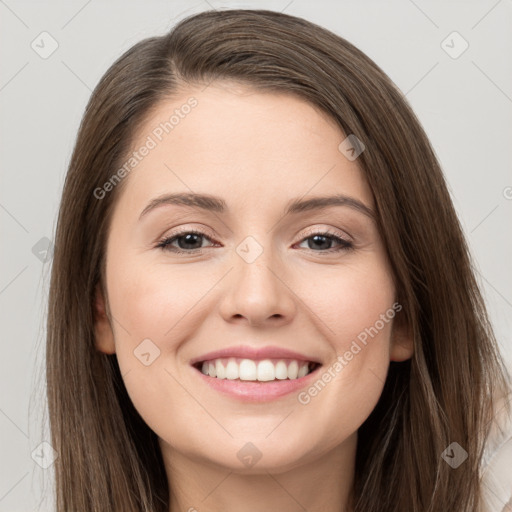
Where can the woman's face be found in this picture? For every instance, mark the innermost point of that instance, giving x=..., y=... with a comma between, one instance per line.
x=261, y=274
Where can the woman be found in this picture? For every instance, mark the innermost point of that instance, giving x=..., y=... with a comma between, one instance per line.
x=326, y=349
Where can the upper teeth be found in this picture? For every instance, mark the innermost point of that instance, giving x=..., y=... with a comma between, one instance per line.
x=247, y=369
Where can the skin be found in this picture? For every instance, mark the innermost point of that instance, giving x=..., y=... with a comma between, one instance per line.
x=257, y=151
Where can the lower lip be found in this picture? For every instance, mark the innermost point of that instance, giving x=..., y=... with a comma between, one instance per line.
x=252, y=391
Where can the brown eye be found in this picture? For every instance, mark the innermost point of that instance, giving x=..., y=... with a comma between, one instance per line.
x=188, y=242
x=322, y=242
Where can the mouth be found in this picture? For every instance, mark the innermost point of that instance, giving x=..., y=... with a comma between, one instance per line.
x=256, y=380
x=256, y=374
x=256, y=370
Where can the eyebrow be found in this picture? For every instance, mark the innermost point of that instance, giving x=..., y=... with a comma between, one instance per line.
x=216, y=204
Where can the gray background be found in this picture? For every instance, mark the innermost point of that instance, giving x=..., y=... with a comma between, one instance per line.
x=464, y=104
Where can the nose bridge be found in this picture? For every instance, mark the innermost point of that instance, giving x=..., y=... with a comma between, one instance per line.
x=253, y=264
x=256, y=291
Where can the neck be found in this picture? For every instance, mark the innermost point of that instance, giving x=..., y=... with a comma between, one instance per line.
x=322, y=483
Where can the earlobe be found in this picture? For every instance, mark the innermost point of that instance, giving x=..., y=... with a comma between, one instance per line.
x=402, y=344
x=400, y=351
x=103, y=334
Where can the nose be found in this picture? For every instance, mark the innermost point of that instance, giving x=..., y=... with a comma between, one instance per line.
x=257, y=292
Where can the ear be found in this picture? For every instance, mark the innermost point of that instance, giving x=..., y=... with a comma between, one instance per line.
x=103, y=334
x=402, y=344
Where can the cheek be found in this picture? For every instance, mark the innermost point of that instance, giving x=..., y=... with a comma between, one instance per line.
x=354, y=303
x=151, y=303
x=154, y=313
x=356, y=311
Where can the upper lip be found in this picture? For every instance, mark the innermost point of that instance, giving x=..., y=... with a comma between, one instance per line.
x=248, y=352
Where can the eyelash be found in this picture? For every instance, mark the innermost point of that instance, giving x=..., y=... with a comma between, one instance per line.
x=164, y=244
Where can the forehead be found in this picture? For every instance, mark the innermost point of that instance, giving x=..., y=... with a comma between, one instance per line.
x=236, y=142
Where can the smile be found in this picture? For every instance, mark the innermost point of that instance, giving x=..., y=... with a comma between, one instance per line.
x=264, y=370
x=254, y=381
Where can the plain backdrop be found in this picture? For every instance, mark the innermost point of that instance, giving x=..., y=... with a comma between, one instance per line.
x=462, y=96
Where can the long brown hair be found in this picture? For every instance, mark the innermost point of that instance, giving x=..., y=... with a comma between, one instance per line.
x=109, y=459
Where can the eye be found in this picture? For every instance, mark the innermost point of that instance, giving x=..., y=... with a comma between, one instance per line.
x=321, y=240
x=189, y=242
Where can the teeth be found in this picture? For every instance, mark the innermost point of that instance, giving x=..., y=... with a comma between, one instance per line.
x=247, y=369
x=303, y=371
x=220, y=370
x=281, y=370
x=266, y=370
x=293, y=370
x=232, y=370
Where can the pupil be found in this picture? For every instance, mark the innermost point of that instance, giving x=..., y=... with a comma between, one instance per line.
x=189, y=239
x=321, y=238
